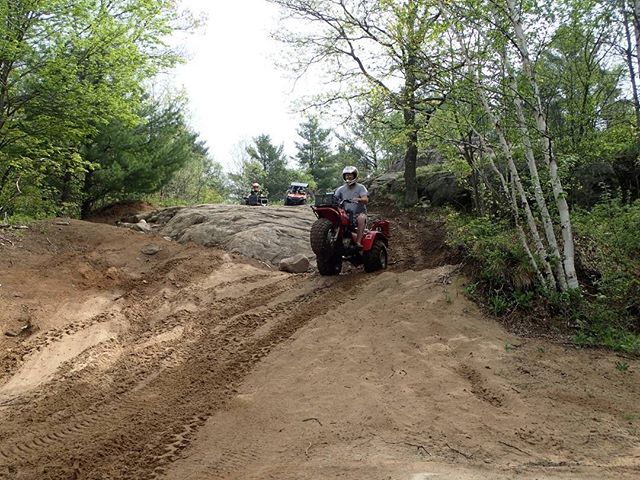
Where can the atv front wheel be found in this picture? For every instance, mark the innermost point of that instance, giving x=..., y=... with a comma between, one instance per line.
x=323, y=245
x=322, y=237
x=329, y=265
x=376, y=258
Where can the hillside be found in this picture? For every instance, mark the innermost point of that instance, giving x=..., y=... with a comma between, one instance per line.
x=198, y=363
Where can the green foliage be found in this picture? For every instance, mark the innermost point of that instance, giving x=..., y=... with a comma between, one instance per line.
x=622, y=366
x=266, y=164
x=200, y=180
x=602, y=332
x=570, y=67
x=609, y=256
x=504, y=279
x=275, y=176
x=491, y=243
x=374, y=139
x=69, y=70
x=315, y=156
x=608, y=259
x=499, y=304
x=140, y=159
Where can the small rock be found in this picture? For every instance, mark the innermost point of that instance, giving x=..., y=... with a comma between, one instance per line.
x=142, y=226
x=297, y=264
x=26, y=328
x=112, y=273
x=151, y=249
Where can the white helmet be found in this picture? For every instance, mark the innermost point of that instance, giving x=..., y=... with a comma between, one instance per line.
x=350, y=169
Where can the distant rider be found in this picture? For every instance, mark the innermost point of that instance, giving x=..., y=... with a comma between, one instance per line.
x=358, y=198
x=257, y=191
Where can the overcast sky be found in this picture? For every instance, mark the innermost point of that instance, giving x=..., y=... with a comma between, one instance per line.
x=235, y=91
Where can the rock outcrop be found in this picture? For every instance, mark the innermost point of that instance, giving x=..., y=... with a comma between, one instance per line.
x=269, y=234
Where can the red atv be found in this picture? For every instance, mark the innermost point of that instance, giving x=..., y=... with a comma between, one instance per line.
x=333, y=239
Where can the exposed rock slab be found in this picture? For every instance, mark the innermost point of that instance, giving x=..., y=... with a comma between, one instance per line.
x=269, y=234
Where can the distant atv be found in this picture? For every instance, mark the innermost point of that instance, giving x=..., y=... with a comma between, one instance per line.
x=333, y=239
x=297, y=194
x=256, y=200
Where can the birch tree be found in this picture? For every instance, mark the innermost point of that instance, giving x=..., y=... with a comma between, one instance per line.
x=548, y=154
x=499, y=32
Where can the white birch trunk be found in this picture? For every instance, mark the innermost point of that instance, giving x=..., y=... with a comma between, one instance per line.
x=523, y=239
x=531, y=222
x=547, y=223
x=511, y=195
x=550, y=160
x=540, y=249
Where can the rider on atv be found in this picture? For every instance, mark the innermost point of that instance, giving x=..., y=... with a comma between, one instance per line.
x=256, y=190
x=256, y=196
x=357, y=197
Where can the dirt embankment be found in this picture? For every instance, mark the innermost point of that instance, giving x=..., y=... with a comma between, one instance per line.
x=193, y=363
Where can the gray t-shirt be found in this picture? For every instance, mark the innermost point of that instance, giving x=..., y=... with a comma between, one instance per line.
x=349, y=192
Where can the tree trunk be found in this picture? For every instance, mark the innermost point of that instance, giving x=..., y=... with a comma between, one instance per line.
x=523, y=238
x=65, y=196
x=411, y=129
x=636, y=30
x=517, y=184
x=549, y=156
x=87, y=203
x=468, y=155
x=511, y=196
x=632, y=74
x=410, y=160
x=535, y=180
x=531, y=222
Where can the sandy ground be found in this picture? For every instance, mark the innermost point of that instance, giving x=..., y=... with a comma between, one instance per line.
x=196, y=364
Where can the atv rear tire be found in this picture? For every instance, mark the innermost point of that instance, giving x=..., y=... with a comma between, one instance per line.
x=323, y=245
x=376, y=258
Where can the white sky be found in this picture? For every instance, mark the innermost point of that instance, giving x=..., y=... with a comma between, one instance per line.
x=235, y=91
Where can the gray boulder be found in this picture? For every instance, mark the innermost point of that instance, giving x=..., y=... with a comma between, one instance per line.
x=269, y=234
x=297, y=264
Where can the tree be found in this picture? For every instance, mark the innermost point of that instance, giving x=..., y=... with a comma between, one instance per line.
x=629, y=18
x=579, y=88
x=498, y=30
x=314, y=154
x=133, y=160
x=200, y=180
x=275, y=175
x=373, y=138
x=68, y=69
x=385, y=49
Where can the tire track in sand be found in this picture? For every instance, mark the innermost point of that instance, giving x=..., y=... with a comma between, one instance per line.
x=133, y=433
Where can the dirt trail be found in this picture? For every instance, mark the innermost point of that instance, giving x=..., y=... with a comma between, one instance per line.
x=196, y=364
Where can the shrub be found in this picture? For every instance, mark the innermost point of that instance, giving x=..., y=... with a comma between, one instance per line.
x=606, y=313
